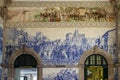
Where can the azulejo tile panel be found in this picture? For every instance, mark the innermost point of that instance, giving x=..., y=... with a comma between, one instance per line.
x=0, y=73
x=1, y=40
x=61, y=46
x=60, y=74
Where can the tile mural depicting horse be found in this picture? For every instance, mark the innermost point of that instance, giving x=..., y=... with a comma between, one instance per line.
x=60, y=46
x=60, y=14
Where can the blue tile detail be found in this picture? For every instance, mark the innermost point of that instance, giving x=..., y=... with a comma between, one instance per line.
x=58, y=52
x=1, y=41
x=63, y=74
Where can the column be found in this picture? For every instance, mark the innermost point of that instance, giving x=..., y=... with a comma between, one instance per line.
x=110, y=72
x=39, y=72
x=81, y=72
x=118, y=36
x=11, y=72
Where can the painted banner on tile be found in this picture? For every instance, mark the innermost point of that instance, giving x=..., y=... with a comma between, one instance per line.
x=60, y=14
x=60, y=46
x=60, y=74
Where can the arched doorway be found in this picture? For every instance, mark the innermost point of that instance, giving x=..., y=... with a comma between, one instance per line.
x=96, y=68
x=22, y=61
x=97, y=61
x=25, y=67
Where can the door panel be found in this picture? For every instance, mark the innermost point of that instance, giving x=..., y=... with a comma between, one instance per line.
x=95, y=73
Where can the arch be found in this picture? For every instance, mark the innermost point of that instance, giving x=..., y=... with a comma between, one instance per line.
x=25, y=60
x=101, y=52
x=25, y=50
x=95, y=60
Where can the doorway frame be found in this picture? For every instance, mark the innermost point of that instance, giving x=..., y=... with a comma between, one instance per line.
x=96, y=50
x=25, y=50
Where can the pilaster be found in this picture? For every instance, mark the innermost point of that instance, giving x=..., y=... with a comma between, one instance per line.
x=117, y=12
x=10, y=72
x=81, y=72
x=39, y=71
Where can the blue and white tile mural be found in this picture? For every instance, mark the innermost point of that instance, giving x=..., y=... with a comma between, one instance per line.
x=1, y=41
x=0, y=73
x=60, y=46
x=60, y=74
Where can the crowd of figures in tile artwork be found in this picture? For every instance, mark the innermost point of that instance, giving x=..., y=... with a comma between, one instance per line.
x=56, y=46
x=60, y=14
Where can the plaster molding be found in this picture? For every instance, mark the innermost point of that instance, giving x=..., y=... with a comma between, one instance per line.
x=60, y=3
x=61, y=24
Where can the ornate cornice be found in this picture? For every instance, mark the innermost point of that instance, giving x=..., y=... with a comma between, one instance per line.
x=59, y=3
x=61, y=24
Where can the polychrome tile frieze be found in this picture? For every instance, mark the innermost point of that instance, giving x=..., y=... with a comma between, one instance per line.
x=60, y=14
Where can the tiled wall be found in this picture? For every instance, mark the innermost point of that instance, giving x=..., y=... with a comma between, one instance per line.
x=1, y=41
x=60, y=45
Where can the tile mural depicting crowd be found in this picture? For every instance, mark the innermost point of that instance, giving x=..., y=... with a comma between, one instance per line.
x=64, y=50
x=60, y=14
x=60, y=74
x=1, y=39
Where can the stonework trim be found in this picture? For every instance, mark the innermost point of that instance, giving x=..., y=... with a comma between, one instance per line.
x=25, y=50
x=99, y=51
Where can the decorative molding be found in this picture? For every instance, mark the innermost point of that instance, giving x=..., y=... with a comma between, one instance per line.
x=101, y=52
x=1, y=3
x=18, y=53
x=61, y=24
x=60, y=3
